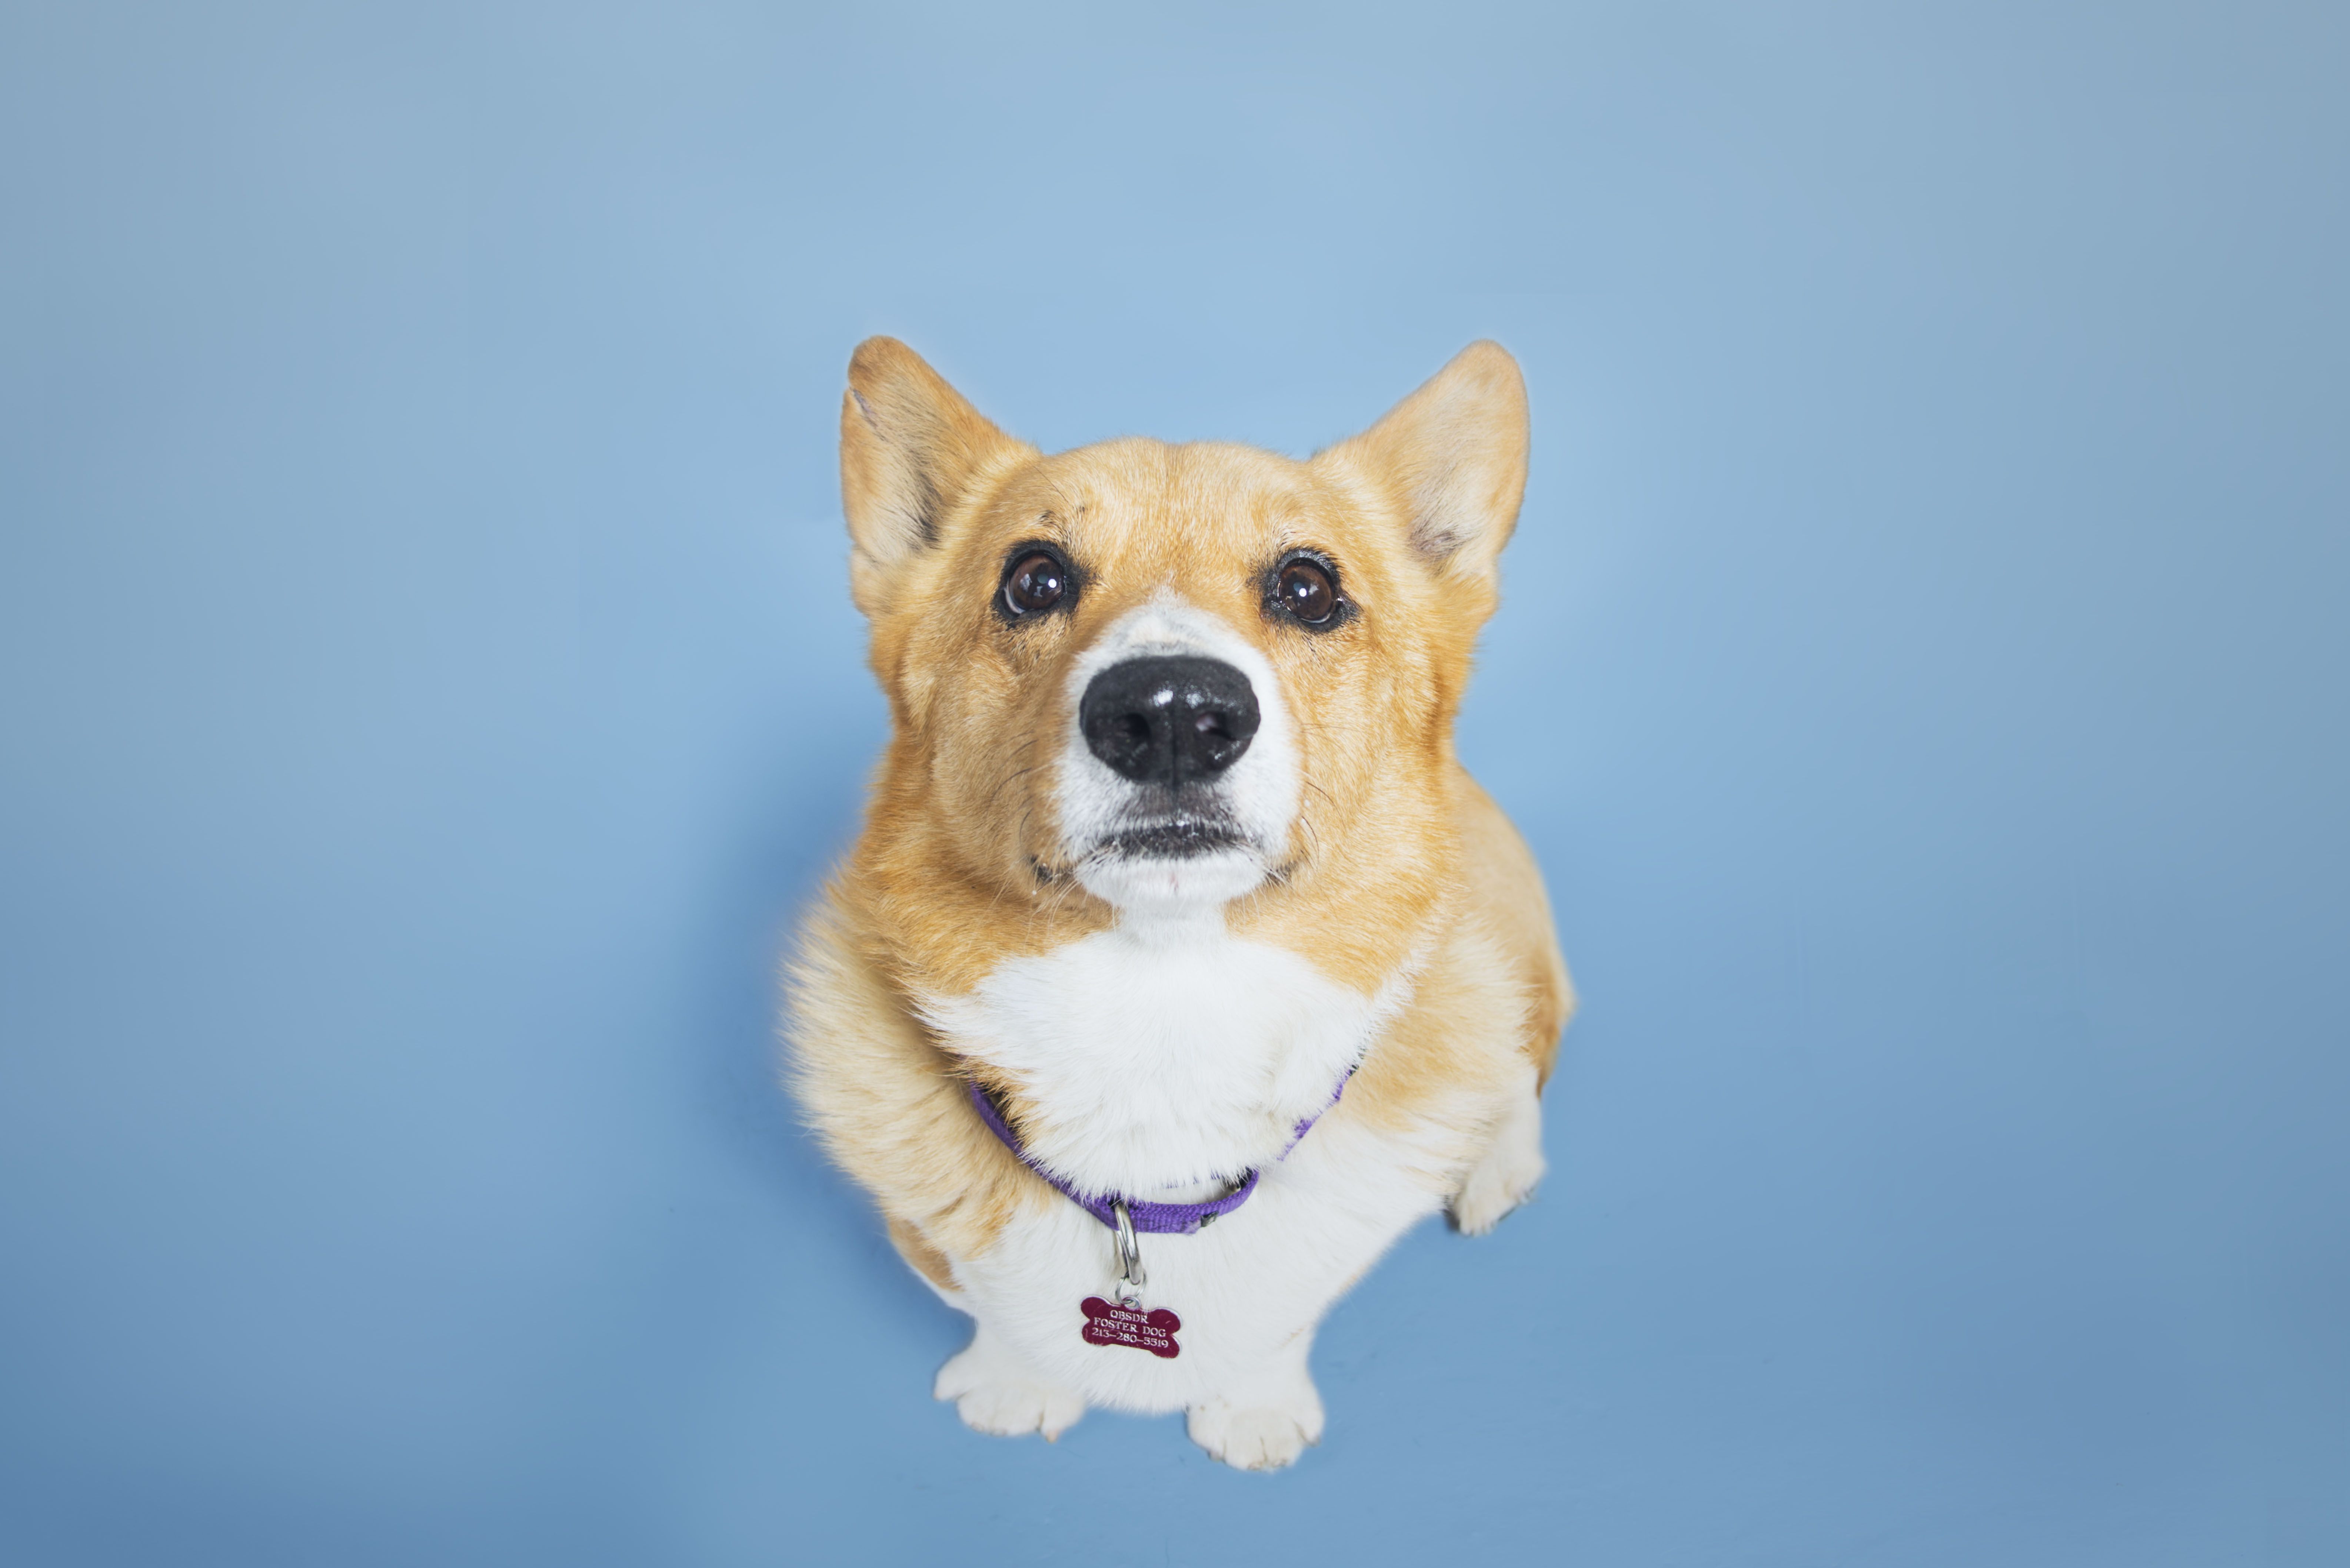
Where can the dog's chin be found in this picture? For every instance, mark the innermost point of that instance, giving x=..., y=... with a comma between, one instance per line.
x=1173, y=868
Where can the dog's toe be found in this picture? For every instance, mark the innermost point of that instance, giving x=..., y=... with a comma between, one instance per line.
x=1490, y=1195
x=1017, y=1409
x=1256, y=1439
x=992, y=1394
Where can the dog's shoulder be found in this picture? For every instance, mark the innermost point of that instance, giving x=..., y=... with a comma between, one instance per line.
x=884, y=1100
x=1506, y=892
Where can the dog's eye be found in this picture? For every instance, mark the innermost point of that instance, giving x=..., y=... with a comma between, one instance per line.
x=1305, y=591
x=1036, y=582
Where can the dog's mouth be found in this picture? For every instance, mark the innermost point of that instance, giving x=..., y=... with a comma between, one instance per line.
x=1178, y=839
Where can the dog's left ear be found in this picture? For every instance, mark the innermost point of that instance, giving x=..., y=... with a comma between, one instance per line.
x=1452, y=456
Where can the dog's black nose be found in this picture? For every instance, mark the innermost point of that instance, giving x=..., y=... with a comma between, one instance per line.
x=1172, y=721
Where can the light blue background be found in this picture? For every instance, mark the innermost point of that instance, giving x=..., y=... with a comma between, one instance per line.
x=430, y=686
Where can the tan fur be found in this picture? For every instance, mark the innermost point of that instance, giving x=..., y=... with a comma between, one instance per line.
x=1398, y=859
x=1516, y=907
x=882, y=1095
x=920, y=1256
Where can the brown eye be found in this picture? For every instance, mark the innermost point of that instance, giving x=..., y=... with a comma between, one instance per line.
x=1037, y=581
x=1305, y=591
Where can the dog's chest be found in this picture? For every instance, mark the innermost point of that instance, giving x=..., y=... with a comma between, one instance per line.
x=1161, y=1057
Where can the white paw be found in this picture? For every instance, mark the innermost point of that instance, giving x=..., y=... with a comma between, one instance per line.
x=1260, y=1438
x=993, y=1394
x=1491, y=1191
x=1513, y=1168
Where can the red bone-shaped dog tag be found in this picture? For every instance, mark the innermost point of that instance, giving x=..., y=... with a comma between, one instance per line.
x=1106, y=1323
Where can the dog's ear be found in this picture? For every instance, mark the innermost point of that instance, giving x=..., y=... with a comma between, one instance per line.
x=1452, y=457
x=910, y=450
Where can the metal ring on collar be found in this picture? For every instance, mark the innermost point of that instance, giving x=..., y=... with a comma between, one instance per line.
x=1129, y=1249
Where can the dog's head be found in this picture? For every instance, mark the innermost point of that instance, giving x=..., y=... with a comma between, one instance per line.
x=1173, y=675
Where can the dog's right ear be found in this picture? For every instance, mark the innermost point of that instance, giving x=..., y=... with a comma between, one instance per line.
x=911, y=448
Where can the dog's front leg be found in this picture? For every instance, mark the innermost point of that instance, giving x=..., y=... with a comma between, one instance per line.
x=994, y=1391
x=1265, y=1420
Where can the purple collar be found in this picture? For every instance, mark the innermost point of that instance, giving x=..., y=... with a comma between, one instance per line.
x=1157, y=1219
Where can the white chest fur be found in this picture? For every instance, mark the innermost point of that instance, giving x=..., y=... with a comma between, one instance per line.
x=1165, y=1055
x=1159, y=1052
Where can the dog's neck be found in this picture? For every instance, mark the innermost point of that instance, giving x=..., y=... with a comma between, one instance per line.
x=1164, y=1056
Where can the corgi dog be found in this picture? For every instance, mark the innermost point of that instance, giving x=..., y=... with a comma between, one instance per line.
x=1179, y=967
